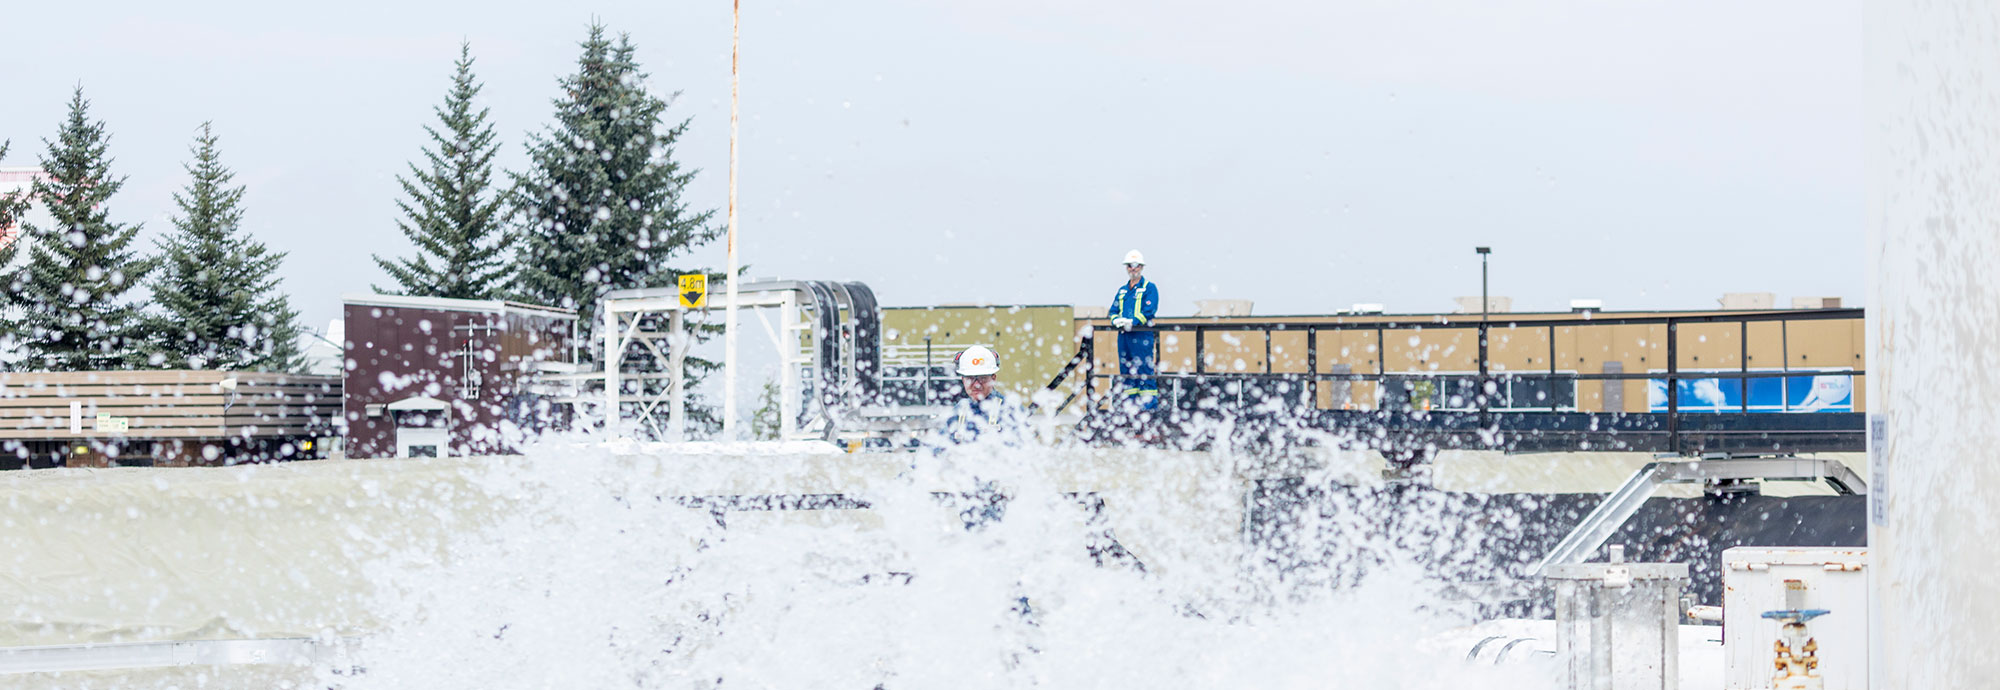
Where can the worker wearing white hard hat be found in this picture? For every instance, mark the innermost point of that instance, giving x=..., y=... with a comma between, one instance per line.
x=983, y=410
x=1132, y=311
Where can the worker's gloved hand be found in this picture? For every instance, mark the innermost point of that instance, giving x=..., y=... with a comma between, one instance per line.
x=1122, y=323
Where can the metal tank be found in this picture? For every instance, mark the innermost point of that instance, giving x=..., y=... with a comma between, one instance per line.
x=1933, y=159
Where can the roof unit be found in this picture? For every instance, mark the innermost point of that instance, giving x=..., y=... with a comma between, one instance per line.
x=1494, y=305
x=1222, y=307
x=1748, y=300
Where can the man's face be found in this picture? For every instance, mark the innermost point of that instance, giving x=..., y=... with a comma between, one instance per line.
x=978, y=387
x=1132, y=271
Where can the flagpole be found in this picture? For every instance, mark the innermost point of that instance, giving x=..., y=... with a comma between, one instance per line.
x=729, y=308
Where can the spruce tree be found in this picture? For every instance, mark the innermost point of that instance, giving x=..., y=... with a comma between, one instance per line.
x=12, y=205
x=217, y=289
x=73, y=314
x=450, y=214
x=601, y=205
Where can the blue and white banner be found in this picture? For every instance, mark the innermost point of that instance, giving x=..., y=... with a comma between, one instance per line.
x=1811, y=393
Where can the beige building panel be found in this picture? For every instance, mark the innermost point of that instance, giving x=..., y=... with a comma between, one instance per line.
x=1360, y=395
x=1639, y=347
x=1767, y=345
x=1414, y=350
x=1365, y=395
x=1105, y=355
x=1710, y=346
x=1566, y=349
x=1590, y=396
x=1233, y=351
x=1859, y=341
x=1516, y=349
x=1034, y=342
x=1635, y=396
x=1821, y=344
x=1288, y=352
x=1176, y=353
x=1356, y=349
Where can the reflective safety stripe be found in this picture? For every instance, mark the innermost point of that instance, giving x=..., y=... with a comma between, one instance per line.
x=1138, y=301
x=1142, y=391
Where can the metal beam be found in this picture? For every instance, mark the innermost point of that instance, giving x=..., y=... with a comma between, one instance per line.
x=102, y=657
x=1601, y=523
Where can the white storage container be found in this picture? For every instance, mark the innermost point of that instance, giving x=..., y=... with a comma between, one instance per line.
x=1760, y=579
x=1617, y=624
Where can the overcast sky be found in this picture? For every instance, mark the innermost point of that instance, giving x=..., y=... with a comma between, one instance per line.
x=1306, y=155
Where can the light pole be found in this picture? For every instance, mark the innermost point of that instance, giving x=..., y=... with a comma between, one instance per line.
x=1484, y=307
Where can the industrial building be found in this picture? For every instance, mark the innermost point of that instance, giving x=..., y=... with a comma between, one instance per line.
x=164, y=418
x=1588, y=360
x=1798, y=360
x=429, y=377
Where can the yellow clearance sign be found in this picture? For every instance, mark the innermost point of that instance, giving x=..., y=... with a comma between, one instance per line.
x=694, y=291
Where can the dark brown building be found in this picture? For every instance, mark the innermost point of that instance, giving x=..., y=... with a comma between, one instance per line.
x=430, y=377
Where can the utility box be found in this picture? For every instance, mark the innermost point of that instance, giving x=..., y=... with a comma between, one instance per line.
x=1757, y=580
x=1618, y=624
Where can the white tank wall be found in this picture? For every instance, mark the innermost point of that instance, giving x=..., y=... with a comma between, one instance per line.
x=1933, y=88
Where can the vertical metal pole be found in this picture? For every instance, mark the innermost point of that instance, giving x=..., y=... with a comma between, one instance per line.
x=613, y=347
x=1673, y=387
x=729, y=279
x=1743, y=359
x=1200, y=349
x=788, y=378
x=1312, y=367
x=676, y=377
x=1269, y=366
x=927, y=370
x=1090, y=373
x=1484, y=303
x=1785, y=366
x=1552, y=369
x=1381, y=366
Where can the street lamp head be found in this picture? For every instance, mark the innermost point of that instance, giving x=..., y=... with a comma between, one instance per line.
x=1483, y=250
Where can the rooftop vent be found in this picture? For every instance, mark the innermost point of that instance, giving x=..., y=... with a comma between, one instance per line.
x=1495, y=305
x=1365, y=308
x=1583, y=305
x=1222, y=307
x=1748, y=300
x=1815, y=302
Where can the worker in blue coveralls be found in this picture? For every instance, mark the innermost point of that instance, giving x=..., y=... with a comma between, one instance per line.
x=985, y=416
x=1132, y=311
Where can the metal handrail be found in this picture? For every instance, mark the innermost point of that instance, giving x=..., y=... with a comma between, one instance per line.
x=1673, y=374
x=1442, y=320
x=1086, y=357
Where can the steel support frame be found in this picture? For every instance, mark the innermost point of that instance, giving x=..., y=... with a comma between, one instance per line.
x=1621, y=505
x=624, y=314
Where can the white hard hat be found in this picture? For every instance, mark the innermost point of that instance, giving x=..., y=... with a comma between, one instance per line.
x=1134, y=257
x=978, y=361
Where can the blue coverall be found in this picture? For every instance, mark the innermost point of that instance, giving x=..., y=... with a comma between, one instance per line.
x=1136, y=347
x=994, y=416
x=991, y=420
